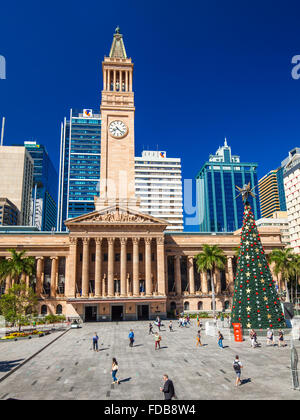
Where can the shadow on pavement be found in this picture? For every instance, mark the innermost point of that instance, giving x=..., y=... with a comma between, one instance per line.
x=245, y=381
x=9, y=365
x=124, y=380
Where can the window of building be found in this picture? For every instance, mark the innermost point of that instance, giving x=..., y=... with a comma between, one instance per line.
x=58, y=310
x=186, y=306
x=44, y=310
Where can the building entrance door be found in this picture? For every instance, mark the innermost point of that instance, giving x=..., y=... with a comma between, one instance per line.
x=143, y=312
x=90, y=314
x=117, y=313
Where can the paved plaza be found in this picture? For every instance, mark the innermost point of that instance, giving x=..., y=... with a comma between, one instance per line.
x=70, y=369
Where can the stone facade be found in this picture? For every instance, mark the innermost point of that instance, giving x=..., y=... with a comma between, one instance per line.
x=120, y=264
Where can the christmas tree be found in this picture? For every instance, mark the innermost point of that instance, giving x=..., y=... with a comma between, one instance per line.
x=255, y=300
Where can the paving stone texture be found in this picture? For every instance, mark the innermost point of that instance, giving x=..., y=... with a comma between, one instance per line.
x=69, y=369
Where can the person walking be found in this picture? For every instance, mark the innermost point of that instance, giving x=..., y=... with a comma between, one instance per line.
x=150, y=328
x=114, y=370
x=198, y=321
x=281, y=341
x=168, y=388
x=170, y=326
x=270, y=337
x=237, y=366
x=157, y=339
x=220, y=340
x=199, y=338
x=131, y=338
x=95, y=342
x=158, y=323
x=253, y=338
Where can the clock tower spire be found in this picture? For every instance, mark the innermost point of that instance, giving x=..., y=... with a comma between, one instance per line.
x=117, y=176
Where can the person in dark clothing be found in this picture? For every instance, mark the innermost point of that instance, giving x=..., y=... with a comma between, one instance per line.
x=168, y=388
x=131, y=338
x=95, y=342
x=150, y=329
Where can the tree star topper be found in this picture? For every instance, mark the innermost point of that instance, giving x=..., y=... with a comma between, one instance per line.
x=245, y=191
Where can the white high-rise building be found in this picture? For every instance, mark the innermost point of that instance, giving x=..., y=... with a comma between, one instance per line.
x=291, y=178
x=158, y=183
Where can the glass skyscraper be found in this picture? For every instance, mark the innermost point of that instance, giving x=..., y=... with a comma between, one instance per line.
x=79, y=169
x=44, y=189
x=216, y=191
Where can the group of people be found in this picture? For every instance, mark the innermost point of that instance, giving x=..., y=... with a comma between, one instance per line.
x=270, y=338
x=168, y=387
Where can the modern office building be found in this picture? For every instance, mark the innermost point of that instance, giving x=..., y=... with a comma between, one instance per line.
x=271, y=193
x=158, y=183
x=79, y=170
x=216, y=191
x=17, y=165
x=44, y=192
x=280, y=220
x=291, y=176
x=9, y=213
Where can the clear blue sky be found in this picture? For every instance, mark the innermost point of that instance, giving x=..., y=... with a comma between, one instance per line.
x=203, y=70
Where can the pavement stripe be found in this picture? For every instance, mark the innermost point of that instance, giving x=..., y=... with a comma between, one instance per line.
x=31, y=357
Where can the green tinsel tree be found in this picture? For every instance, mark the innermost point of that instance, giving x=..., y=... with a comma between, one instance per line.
x=255, y=300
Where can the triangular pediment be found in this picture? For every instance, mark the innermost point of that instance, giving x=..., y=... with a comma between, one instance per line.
x=116, y=215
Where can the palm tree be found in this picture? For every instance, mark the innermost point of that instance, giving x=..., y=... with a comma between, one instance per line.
x=17, y=266
x=284, y=260
x=211, y=258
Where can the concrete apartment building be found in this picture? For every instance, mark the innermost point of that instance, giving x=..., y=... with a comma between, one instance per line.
x=16, y=166
x=158, y=183
x=291, y=176
x=280, y=220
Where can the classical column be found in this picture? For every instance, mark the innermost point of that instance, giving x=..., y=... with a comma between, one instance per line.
x=148, y=277
x=70, y=284
x=218, y=284
x=85, y=267
x=191, y=275
x=126, y=81
x=177, y=276
x=110, y=267
x=104, y=291
x=204, y=285
x=39, y=271
x=166, y=275
x=8, y=282
x=98, y=261
x=123, y=266
x=135, y=267
x=161, y=282
x=230, y=276
x=53, y=276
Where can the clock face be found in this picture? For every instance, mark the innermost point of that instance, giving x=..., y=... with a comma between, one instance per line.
x=118, y=129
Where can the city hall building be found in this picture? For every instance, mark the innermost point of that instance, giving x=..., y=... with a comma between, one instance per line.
x=118, y=263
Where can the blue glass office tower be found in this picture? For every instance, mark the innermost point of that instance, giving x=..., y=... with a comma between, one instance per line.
x=281, y=192
x=44, y=190
x=79, y=170
x=216, y=181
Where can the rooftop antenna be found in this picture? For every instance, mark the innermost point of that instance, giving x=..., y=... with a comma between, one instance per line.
x=225, y=143
x=2, y=131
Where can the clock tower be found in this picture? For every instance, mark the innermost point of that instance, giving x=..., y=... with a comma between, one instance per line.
x=117, y=174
